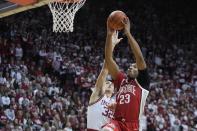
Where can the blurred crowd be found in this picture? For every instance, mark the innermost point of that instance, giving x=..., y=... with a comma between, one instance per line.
x=45, y=78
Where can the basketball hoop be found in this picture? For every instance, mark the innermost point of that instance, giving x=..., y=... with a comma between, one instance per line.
x=63, y=12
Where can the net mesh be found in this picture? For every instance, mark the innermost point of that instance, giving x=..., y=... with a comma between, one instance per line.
x=64, y=13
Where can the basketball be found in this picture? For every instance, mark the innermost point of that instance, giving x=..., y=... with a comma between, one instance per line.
x=115, y=20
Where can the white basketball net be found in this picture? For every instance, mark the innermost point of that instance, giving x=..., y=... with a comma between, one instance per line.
x=63, y=14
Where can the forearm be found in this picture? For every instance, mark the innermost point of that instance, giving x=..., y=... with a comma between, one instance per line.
x=108, y=49
x=112, y=66
x=104, y=69
x=136, y=51
x=102, y=77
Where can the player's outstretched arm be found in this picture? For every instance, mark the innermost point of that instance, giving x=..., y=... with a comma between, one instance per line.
x=98, y=90
x=112, y=66
x=104, y=72
x=141, y=64
x=101, y=78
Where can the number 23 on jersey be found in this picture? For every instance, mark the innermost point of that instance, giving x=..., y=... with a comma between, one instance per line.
x=124, y=99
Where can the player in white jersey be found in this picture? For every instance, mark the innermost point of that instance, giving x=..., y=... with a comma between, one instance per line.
x=98, y=113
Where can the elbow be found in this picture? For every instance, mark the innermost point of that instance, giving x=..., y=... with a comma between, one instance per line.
x=140, y=59
x=141, y=64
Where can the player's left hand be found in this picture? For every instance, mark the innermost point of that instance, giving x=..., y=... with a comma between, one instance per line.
x=115, y=39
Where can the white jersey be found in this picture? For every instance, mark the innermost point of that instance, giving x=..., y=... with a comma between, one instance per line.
x=98, y=114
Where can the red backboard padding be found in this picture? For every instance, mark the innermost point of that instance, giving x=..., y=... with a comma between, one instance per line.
x=24, y=2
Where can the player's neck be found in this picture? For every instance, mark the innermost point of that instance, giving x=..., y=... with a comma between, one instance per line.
x=130, y=78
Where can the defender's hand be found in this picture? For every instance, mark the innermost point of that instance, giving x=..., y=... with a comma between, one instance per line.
x=115, y=39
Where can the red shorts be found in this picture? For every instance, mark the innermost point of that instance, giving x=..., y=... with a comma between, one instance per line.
x=116, y=125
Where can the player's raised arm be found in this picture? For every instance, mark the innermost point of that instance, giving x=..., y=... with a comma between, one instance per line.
x=99, y=91
x=141, y=64
x=112, y=66
x=101, y=79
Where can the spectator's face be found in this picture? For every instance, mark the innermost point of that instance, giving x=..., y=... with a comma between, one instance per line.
x=48, y=110
x=132, y=72
x=20, y=113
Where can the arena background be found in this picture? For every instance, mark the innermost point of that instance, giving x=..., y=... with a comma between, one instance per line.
x=45, y=78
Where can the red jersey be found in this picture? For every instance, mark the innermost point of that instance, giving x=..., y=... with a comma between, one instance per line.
x=130, y=98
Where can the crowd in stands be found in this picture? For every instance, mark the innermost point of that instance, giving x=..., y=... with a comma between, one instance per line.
x=45, y=78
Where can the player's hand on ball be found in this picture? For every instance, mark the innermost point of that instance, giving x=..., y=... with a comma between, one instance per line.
x=115, y=39
x=127, y=25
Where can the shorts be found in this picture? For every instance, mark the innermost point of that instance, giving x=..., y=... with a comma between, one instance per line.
x=116, y=125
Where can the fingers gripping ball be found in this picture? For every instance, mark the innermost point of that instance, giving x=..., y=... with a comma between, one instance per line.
x=115, y=20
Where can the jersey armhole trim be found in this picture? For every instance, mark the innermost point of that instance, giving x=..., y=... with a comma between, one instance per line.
x=92, y=103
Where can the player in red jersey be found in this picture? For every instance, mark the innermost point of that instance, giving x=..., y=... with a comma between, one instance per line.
x=132, y=87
